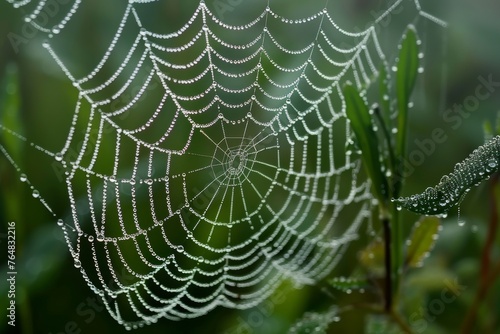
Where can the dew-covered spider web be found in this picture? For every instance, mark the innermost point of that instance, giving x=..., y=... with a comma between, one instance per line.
x=205, y=165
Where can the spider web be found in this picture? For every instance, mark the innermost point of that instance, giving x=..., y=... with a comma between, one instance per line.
x=214, y=161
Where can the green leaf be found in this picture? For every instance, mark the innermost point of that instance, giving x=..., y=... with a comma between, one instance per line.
x=359, y=116
x=407, y=70
x=477, y=167
x=349, y=283
x=421, y=240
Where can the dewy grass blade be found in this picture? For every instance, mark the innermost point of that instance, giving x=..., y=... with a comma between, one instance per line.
x=478, y=166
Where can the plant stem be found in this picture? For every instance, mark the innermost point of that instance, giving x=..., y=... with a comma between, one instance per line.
x=492, y=230
x=391, y=231
x=396, y=243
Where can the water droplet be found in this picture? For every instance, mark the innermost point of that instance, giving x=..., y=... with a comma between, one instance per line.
x=461, y=222
x=90, y=238
x=180, y=249
x=60, y=222
x=23, y=178
x=100, y=237
x=492, y=163
x=148, y=182
x=36, y=193
x=77, y=263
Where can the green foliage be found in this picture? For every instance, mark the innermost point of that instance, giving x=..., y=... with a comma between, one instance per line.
x=361, y=123
x=360, y=120
x=407, y=70
x=421, y=240
x=477, y=167
x=388, y=268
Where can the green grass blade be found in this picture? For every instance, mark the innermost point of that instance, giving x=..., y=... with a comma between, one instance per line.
x=421, y=240
x=477, y=167
x=360, y=118
x=407, y=70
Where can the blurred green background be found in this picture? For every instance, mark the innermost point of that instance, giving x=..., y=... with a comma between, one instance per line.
x=52, y=296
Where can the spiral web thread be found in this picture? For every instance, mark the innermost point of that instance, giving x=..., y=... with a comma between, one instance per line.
x=229, y=168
